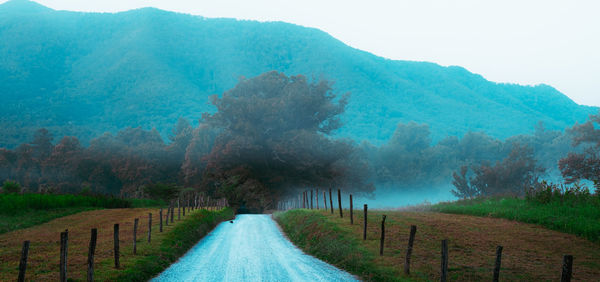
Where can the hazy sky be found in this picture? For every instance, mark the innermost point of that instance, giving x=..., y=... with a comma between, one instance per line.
x=519, y=41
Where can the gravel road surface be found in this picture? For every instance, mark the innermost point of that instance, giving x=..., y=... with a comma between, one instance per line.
x=252, y=248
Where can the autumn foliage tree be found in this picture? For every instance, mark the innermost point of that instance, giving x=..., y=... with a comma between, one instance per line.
x=585, y=165
x=275, y=139
x=512, y=176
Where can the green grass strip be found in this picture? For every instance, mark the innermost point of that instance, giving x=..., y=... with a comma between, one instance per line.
x=33, y=218
x=175, y=244
x=15, y=204
x=18, y=211
x=581, y=219
x=326, y=240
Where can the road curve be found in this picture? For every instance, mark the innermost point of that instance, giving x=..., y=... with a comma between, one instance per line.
x=252, y=248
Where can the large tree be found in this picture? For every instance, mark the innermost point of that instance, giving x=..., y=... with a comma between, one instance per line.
x=511, y=176
x=584, y=165
x=275, y=139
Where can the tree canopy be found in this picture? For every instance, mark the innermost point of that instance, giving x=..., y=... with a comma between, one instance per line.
x=276, y=138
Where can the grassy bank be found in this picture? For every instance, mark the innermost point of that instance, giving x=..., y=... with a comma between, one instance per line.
x=174, y=244
x=19, y=211
x=322, y=238
x=531, y=253
x=581, y=218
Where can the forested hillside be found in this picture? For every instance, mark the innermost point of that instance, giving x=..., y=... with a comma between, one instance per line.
x=83, y=74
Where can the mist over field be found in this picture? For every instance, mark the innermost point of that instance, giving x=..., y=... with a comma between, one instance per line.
x=404, y=197
x=161, y=146
x=122, y=103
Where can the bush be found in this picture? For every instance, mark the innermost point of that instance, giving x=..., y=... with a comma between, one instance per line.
x=11, y=187
x=546, y=193
x=162, y=191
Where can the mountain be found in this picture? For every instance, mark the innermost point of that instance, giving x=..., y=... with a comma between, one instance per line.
x=84, y=74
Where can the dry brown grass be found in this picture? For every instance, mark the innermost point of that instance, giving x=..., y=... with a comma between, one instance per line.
x=43, y=263
x=531, y=252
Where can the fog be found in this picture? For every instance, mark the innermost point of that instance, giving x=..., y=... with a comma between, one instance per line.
x=405, y=197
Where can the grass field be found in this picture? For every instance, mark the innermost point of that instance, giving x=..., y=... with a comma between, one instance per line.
x=531, y=252
x=19, y=211
x=579, y=218
x=151, y=257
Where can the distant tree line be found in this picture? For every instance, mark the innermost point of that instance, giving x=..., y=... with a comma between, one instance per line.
x=269, y=138
x=476, y=163
x=272, y=136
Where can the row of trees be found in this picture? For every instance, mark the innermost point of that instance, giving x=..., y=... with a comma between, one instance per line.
x=520, y=171
x=272, y=135
x=269, y=137
x=411, y=160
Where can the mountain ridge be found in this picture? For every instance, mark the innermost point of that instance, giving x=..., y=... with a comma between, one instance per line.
x=84, y=74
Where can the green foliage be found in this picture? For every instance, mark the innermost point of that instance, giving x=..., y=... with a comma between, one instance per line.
x=316, y=235
x=177, y=241
x=546, y=193
x=162, y=191
x=560, y=213
x=11, y=187
x=173, y=62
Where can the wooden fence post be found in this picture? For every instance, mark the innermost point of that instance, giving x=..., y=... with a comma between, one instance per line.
x=497, y=264
x=167, y=217
x=307, y=203
x=172, y=211
x=149, y=226
x=178, y=209
x=160, y=228
x=91, y=252
x=365, y=223
x=351, y=212
x=330, y=201
x=23, y=262
x=135, y=226
x=116, y=244
x=382, y=235
x=340, y=203
x=444, y=265
x=567, y=268
x=411, y=241
x=64, y=243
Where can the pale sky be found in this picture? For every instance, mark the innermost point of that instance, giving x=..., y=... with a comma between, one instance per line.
x=517, y=41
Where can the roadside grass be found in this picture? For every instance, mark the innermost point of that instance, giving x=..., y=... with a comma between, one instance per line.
x=151, y=258
x=320, y=237
x=581, y=218
x=19, y=211
x=173, y=244
x=531, y=253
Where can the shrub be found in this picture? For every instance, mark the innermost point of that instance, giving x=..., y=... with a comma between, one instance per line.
x=546, y=193
x=11, y=187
